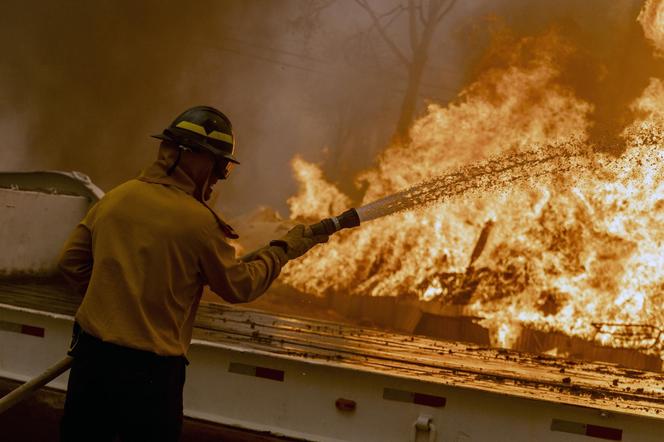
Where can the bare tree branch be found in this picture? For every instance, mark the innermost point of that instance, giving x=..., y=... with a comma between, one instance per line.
x=423, y=17
x=381, y=31
x=432, y=10
x=412, y=28
x=447, y=9
x=319, y=6
x=397, y=8
x=394, y=17
x=308, y=20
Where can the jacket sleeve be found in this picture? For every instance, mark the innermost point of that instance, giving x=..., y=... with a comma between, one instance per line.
x=239, y=281
x=75, y=262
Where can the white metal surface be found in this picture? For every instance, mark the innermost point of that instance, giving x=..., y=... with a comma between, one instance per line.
x=35, y=244
x=303, y=405
x=296, y=395
x=36, y=218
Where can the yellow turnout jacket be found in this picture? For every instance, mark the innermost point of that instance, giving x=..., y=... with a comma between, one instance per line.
x=142, y=256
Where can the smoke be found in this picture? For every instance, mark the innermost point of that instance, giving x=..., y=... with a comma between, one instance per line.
x=84, y=84
x=609, y=64
x=14, y=131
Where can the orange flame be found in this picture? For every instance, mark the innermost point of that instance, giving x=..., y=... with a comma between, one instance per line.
x=652, y=21
x=316, y=198
x=563, y=255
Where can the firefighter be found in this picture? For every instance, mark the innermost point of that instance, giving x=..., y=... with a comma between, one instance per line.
x=141, y=258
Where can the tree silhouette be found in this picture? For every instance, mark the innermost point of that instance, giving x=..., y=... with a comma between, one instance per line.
x=423, y=16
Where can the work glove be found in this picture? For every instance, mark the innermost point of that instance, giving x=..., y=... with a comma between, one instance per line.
x=298, y=241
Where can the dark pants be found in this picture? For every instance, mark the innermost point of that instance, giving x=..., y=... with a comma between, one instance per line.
x=116, y=391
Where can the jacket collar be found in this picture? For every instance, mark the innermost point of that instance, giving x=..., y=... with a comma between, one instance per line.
x=157, y=173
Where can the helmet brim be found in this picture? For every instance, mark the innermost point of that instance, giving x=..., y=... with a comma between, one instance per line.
x=162, y=137
x=218, y=153
x=201, y=144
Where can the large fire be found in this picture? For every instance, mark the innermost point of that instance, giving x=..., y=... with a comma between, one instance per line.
x=566, y=254
x=652, y=21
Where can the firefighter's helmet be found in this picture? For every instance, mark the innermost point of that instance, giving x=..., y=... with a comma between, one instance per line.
x=203, y=127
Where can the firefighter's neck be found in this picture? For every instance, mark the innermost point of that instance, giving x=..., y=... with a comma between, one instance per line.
x=199, y=167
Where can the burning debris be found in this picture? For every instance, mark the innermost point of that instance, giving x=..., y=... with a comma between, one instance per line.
x=567, y=253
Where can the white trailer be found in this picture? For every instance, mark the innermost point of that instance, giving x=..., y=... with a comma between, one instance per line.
x=324, y=381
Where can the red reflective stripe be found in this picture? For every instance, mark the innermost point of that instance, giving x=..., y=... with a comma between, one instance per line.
x=345, y=404
x=32, y=330
x=393, y=394
x=603, y=432
x=429, y=400
x=595, y=431
x=270, y=373
x=260, y=372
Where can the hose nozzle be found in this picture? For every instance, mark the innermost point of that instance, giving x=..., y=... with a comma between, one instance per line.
x=328, y=226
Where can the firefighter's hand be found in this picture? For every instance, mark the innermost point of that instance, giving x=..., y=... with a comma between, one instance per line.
x=298, y=241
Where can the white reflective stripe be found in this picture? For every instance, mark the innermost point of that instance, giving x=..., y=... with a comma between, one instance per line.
x=335, y=220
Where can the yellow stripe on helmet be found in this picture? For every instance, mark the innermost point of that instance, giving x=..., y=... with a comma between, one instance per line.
x=221, y=136
x=192, y=127
x=188, y=125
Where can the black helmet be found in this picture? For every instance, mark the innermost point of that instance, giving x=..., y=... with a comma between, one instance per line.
x=203, y=127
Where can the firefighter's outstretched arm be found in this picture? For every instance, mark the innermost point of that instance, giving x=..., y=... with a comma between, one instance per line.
x=244, y=280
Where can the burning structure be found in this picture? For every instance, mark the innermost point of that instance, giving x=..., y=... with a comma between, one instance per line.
x=579, y=253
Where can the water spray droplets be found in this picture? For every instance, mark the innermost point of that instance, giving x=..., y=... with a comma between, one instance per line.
x=495, y=174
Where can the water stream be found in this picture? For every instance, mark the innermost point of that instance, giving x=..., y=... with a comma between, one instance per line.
x=495, y=173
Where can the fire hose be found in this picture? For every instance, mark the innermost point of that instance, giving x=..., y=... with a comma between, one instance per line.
x=501, y=171
x=328, y=226
x=350, y=218
x=24, y=391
